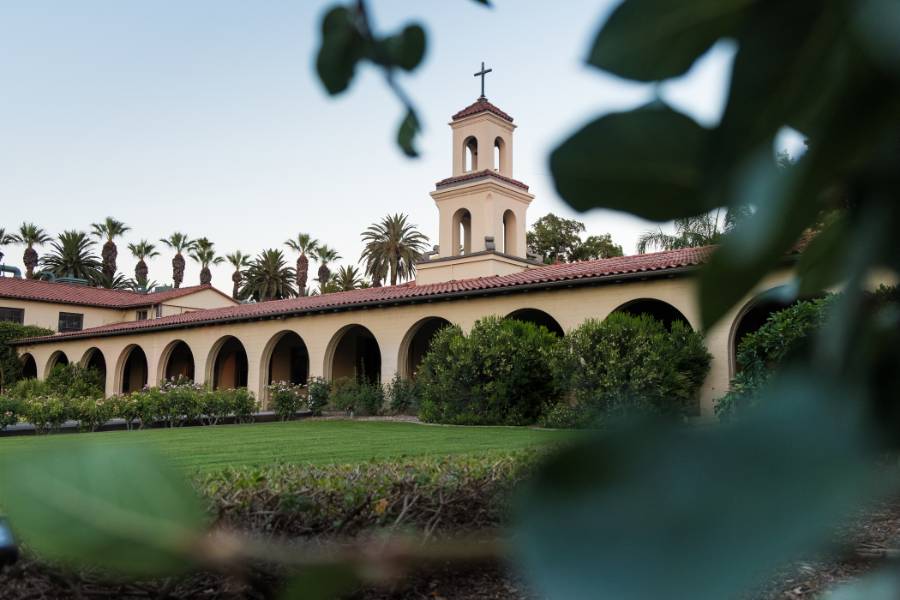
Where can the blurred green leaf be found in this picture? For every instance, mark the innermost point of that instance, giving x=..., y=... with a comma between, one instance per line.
x=405, y=49
x=649, y=40
x=675, y=511
x=822, y=264
x=648, y=162
x=82, y=504
x=321, y=583
x=406, y=134
x=342, y=47
x=884, y=585
x=876, y=23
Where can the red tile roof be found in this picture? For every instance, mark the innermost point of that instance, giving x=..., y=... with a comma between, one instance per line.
x=67, y=293
x=479, y=106
x=480, y=175
x=585, y=272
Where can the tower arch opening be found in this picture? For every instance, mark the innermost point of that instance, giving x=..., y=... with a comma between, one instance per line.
x=416, y=344
x=501, y=162
x=177, y=362
x=470, y=154
x=510, y=233
x=658, y=309
x=353, y=353
x=538, y=317
x=132, y=370
x=227, y=365
x=462, y=232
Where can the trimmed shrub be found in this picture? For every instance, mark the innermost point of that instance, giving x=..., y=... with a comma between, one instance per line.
x=357, y=398
x=10, y=410
x=241, y=403
x=10, y=365
x=92, y=413
x=74, y=381
x=286, y=398
x=403, y=396
x=628, y=365
x=785, y=334
x=47, y=413
x=318, y=393
x=497, y=375
x=28, y=388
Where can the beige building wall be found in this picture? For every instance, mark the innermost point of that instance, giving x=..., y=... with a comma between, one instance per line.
x=201, y=299
x=392, y=328
x=46, y=314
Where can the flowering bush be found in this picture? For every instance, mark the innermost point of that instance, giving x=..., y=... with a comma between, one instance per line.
x=46, y=413
x=318, y=392
x=240, y=403
x=10, y=409
x=91, y=413
x=286, y=398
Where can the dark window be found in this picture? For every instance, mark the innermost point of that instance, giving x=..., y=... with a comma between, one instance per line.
x=158, y=310
x=142, y=315
x=71, y=321
x=13, y=315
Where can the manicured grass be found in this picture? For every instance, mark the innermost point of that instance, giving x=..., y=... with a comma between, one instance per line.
x=314, y=442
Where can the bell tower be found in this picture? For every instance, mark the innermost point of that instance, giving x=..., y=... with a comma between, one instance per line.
x=481, y=206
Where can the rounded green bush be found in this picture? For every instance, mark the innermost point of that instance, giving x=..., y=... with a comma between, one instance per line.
x=499, y=374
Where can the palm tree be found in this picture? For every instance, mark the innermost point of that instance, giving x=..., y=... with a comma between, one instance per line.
x=203, y=251
x=120, y=282
x=109, y=229
x=693, y=232
x=348, y=278
x=304, y=244
x=239, y=261
x=325, y=255
x=392, y=247
x=72, y=255
x=5, y=239
x=178, y=242
x=140, y=251
x=31, y=235
x=269, y=277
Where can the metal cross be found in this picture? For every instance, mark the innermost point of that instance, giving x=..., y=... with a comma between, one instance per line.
x=481, y=74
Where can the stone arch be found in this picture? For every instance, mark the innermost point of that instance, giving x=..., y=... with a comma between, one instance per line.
x=500, y=159
x=538, y=317
x=416, y=343
x=658, y=309
x=131, y=371
x=752, y=316
x=176, y=361
x=353, y=352
x=29, y=366
x=510, y=232
x=285, y=358
x=227, y=364
x=93, y=359
x=57, y=358
x=470, y=154
x=462, y=232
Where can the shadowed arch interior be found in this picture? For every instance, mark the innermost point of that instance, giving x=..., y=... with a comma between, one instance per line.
x=289, y=359
x=416, y=344
x=355, y=354
x=658, y=309
x=462, y=232
x=57, y=358
x=752, y=317
x=229, y=367
x=179, y=361
x=538, y=317
x=134, y=370
x=29, y=367
x=94, y=359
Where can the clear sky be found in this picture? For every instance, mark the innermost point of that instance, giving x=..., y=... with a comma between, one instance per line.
x=206, y=116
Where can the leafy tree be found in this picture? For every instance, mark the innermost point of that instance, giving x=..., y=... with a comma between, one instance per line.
x=203, y=252
x=30, y=235
x=10, y=365
x=109, y=229
x=306, y=245
x=239, y=261
x=269, y=277
x=392, y=248
x=141, y=251
x=178, y=242
x=72, y=255
x=555, y=239
x=325, y=255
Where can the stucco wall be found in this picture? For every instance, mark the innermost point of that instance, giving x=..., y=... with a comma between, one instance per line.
x=200, y=299
x=46, y=314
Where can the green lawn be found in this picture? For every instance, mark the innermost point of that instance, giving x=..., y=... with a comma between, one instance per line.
x=315, y=442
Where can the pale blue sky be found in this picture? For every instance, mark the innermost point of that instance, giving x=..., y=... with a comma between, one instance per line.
x=206, y=116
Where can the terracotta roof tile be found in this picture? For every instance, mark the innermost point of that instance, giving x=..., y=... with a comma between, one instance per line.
x=480, y=175
x=609, y=268
x=479, y=106
x=67, y=293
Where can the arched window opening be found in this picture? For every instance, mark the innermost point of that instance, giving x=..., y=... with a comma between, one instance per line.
x=510, y=240
x=355, y=354
x=29, y=367
x=417, y=343
x=179, y=362
x=289, y=360
x=538, y=317
x=500, y=156
x=658, y=309
x=462, y=232
x=470, y=154
x=57, y=358
x=94, y=359
x=229, y=369
x=134, y=370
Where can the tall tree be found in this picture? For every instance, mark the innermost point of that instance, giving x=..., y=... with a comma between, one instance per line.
x=306, y=245
x=239, y=261
x=141, y=251
x=348, y=278
x=594, y=247
x=555, y=239
x=31, y=235
x=203, y=252
x=6, y=238
x=109, y=229
x=693, y=232
x=72, y=255
x=178, y=242
x=392, y=248
x=269, y=277
x=325, y=255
